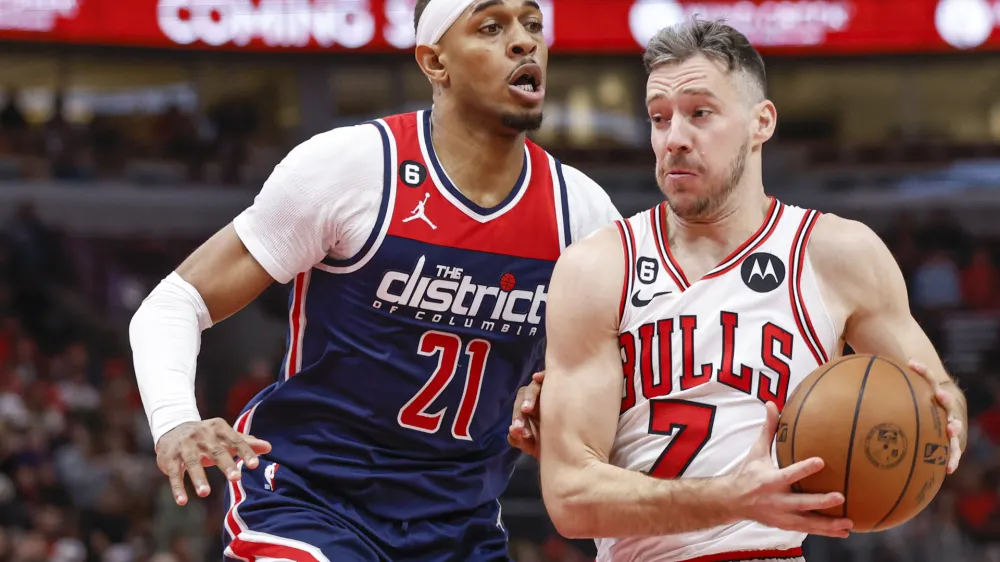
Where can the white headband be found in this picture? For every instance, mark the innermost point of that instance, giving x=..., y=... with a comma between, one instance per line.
x=438, y=17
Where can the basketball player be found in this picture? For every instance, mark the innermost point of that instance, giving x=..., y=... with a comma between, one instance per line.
x=711, y=307
x=419, y=248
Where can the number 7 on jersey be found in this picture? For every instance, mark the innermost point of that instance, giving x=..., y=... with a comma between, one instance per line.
x=447, y=347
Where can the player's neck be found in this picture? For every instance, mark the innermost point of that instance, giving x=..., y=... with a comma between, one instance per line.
x=728, y=226
x=483, y=164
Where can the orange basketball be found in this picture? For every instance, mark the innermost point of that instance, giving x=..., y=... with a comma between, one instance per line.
x=879, y=430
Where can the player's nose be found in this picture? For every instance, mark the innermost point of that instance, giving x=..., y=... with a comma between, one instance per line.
x=522, y=43
x=677, y=138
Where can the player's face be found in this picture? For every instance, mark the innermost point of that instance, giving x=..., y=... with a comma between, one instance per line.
x=700, y=132
x=495, y=56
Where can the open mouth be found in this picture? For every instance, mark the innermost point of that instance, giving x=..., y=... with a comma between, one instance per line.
x=528, y=78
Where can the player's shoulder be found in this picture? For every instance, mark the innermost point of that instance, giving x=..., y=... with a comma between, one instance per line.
x=594, y=251
x=338, y=144
x=344, y=159
x=580, y=185
x=590, y=206
x=848, y=253
x=841, y=240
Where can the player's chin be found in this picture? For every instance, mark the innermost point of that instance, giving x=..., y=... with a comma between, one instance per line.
x=522, y=120
x=685, y=203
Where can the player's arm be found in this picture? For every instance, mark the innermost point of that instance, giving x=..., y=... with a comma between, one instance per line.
x=855, y=266
x=585, y=495
x=294, y=221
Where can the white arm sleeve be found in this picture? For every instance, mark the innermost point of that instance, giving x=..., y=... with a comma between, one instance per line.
x=322, y=199
x=590, y=208
x=166, y=336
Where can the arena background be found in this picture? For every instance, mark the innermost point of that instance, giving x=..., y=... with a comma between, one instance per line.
x=132, y=130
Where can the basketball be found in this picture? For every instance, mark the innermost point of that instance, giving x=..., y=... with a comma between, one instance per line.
x=880, y=432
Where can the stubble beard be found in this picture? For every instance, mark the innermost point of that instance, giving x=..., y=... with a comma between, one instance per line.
x=704, y=207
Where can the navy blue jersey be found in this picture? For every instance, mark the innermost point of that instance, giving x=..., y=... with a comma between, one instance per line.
x=403, y=361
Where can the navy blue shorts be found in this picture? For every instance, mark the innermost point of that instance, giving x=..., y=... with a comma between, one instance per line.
x=275, y=517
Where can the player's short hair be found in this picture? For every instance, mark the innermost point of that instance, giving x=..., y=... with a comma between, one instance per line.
x=418, y=11
x=714, y=40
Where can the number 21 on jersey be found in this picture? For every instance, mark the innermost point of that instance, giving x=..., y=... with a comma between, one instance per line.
x=448, y=348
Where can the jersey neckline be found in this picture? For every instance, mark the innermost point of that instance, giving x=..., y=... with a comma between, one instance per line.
x=658, y=218
x=452, y=193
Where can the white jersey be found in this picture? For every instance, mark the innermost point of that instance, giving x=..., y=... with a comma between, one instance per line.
x=700, y=360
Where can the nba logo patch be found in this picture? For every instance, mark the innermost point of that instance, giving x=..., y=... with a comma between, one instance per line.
x=269, y=476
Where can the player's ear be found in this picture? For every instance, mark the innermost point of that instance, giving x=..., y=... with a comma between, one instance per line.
x=429, y=59
x=764, y=118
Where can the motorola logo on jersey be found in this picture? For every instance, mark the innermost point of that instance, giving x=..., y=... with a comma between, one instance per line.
x=447, y=295
x=762, y=272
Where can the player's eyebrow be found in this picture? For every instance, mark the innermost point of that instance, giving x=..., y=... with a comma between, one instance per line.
x=490, y=3
x=691, y=91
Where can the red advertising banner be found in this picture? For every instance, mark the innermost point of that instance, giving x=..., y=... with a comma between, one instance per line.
x=821, y=27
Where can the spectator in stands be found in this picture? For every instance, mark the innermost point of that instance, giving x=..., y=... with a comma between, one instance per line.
x=981, y=281
x=936, y=284
x=62, y=145
x=944, y=232
x=13, y=125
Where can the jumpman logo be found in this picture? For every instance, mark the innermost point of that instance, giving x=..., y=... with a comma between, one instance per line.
x=419, y=212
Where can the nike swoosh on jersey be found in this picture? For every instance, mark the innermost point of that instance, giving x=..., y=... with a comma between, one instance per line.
x=639, y=303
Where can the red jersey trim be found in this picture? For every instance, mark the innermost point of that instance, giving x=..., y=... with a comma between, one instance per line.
x=765, y=231
x=628, y=245
x=747, y=555
x=797, y=259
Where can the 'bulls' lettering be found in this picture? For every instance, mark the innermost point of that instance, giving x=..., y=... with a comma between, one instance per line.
x=627, y=343
x=658, y=383
x=773, y=334
x=688, y=379
x=657, y=338
x=741, y=382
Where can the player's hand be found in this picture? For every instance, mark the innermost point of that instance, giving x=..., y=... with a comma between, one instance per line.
x=956, y=427
x=763, y=493
x=192, y=446
x=524, y=423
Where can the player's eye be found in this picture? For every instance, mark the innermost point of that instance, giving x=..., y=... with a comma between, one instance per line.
x=534, y=26
x=490, y=28
x=699, y=113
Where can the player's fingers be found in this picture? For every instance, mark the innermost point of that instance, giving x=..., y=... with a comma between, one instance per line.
x=763, y=445
x=944, y=398
x=245, y=452
x=514, y=434
x=222, y=457
x=809, y=502
x=816, y=524
x=956, y=455
x=955, y=428
x=192, y=463
x=538, y=377
x=918, y=368
x=530, y=398
x=176, y=475
x=517, y=418
x=795, y=472
x=259, y=446
x=248, y=447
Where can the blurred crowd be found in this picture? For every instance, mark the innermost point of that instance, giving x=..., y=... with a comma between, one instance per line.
x=175, y=144
x=78, y=480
